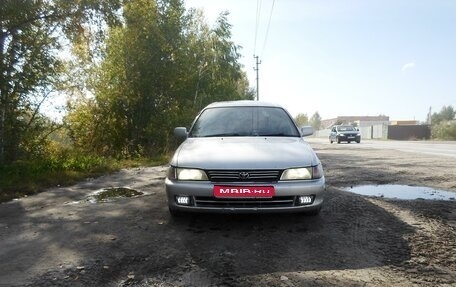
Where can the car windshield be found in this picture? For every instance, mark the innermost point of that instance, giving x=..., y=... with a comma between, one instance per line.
x=346, y=129
x=244, y=121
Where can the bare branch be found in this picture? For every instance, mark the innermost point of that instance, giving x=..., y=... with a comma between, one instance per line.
x=37, y=108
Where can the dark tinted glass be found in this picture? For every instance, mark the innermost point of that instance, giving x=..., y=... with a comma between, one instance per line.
x=244, y=121
x=345, y=128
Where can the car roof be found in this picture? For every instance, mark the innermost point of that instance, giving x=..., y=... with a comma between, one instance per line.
x=243, y=103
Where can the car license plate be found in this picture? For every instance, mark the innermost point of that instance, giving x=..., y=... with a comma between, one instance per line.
x=243, y=191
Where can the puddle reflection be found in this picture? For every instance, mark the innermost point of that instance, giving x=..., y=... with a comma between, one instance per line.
x=405, y=192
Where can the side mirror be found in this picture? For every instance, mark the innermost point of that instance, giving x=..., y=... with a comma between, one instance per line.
x=307, y=131
x=181, y=132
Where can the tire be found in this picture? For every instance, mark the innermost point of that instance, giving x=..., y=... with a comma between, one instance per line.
x=358, y=141
x=349, y=142
x=330, y=141
x=338, y=140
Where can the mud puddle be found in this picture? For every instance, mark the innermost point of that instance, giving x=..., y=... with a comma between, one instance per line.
x=109, y=194
x=404, y=192
x=115, y=192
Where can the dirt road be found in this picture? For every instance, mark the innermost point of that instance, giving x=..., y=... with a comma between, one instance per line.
x=61, y=238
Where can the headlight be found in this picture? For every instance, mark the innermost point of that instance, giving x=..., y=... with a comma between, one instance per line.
x=186, y=174
x=303, y=173
x=296, y=173
x=342, y=135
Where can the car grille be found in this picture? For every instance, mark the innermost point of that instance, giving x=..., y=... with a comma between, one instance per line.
x=243, y=175
x=282, y=201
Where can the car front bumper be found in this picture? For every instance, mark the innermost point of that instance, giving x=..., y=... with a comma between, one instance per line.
x=285, y=200
x=349, y=138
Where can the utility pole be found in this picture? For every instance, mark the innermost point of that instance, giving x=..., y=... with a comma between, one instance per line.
x=257, y=78
x=429, y=116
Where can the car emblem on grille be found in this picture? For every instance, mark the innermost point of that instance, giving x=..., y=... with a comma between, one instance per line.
x=244, y=175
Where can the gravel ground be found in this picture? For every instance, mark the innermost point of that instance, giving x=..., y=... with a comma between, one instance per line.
x=62, y=238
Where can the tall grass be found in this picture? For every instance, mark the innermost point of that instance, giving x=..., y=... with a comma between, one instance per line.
x=28, y=177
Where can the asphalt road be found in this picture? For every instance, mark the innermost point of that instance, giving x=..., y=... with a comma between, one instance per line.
x=446, y=149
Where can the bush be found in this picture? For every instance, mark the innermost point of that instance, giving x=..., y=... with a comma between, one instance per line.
x=444, y=130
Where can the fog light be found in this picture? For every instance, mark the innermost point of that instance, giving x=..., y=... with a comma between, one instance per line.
x=183, y=200
x=305, y=200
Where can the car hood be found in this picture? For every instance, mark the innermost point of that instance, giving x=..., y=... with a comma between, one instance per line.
x=244, y=153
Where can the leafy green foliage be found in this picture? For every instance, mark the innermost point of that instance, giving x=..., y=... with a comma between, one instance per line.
x=444, y=124
x=302, y=120
x=133, y=74
x=445, y=130
x=447, y=113
x=160, y=68
x=315, y=121
x=31, y=34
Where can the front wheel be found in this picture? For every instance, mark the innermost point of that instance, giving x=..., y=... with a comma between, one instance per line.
x=338, y=140
x=358, y=141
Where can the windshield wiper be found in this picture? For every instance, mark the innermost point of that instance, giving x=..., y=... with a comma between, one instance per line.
x=223, y=135
x=276, y=135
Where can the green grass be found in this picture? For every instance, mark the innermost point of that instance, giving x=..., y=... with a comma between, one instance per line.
x=30, y=177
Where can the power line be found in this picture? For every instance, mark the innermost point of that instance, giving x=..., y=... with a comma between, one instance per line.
x=267, y=28
x=257, y=24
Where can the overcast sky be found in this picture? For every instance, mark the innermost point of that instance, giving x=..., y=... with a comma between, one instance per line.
x=342, y=58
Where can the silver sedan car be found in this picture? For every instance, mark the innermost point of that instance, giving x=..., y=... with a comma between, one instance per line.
x=244, y=157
